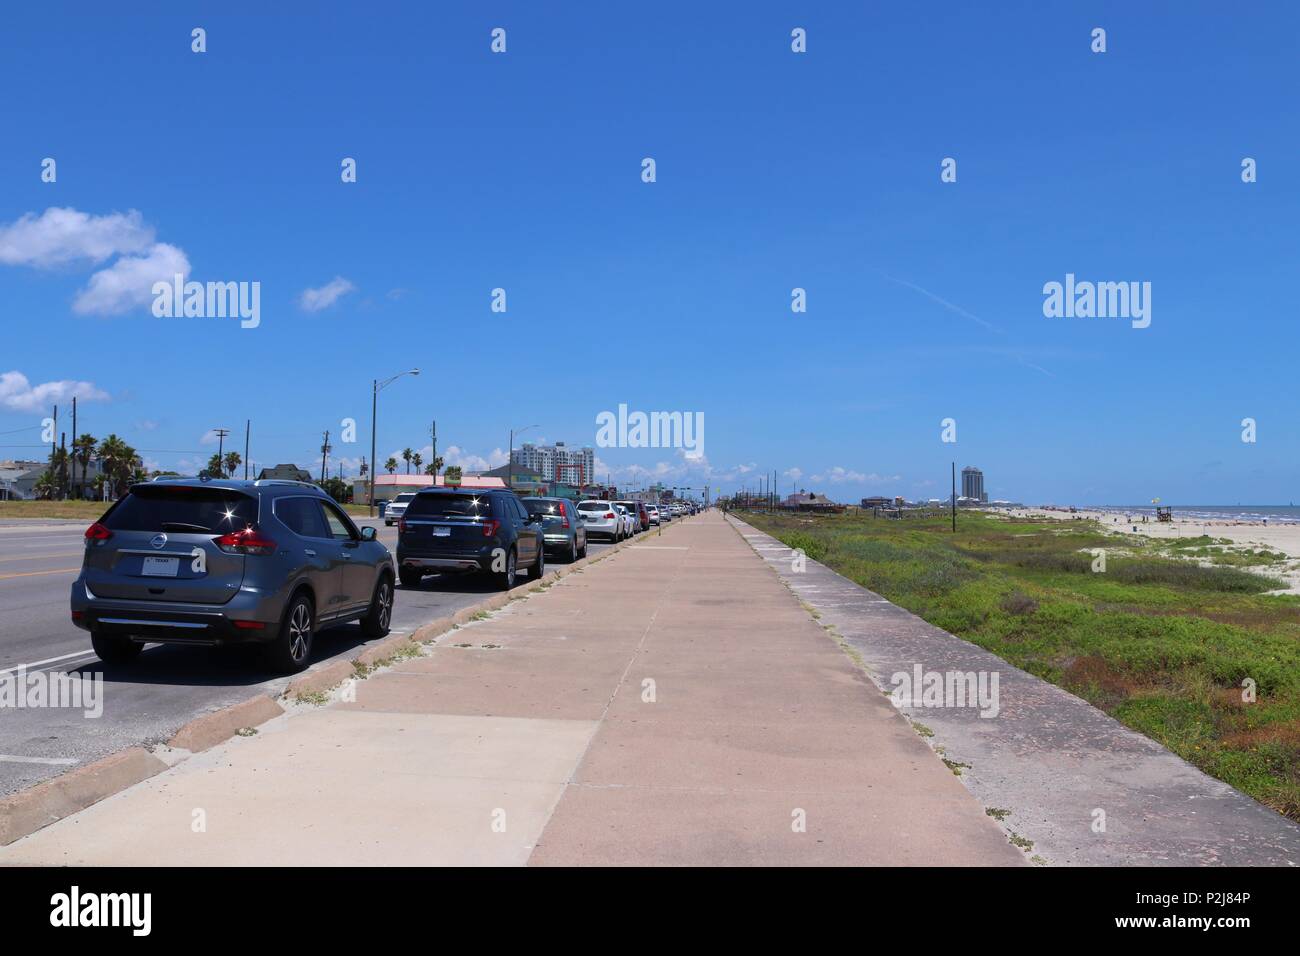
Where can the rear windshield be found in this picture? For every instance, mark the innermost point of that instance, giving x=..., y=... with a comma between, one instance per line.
x=540, y=506
x=594, y=506
x=195, y=510
x=450, y=506
x=404, y=497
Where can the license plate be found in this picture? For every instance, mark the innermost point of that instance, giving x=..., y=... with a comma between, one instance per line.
x=160, y=567
x=441, y=532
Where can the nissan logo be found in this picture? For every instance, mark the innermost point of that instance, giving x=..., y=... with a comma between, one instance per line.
x=158, y=540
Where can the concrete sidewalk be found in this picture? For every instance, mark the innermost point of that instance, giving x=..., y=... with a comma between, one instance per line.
x=673, y=704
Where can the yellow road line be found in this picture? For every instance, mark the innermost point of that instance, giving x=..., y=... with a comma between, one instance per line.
x=32, y=574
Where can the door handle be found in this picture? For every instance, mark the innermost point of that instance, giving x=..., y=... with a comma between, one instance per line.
x=347, y=555
x=310, y=553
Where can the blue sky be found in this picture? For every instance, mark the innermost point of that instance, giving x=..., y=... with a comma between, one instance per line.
x=775, y=170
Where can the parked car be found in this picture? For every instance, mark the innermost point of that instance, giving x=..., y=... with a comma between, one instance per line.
x=450, y=530
x=636, y=512
x=397, y=507
x=563, y=530
x=601, y=519
x=209, y=562
x=652, y=512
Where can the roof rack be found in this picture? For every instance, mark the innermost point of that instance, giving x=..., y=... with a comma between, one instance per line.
x=285, y=481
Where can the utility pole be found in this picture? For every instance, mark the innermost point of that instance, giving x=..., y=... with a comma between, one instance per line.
x=248, y=428
x=954, y=497
x=433, y=459
x=221, y=447
x=74, y=444
x=54, y=445
x=324, y=453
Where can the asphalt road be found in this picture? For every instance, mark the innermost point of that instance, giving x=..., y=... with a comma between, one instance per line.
x=168, y=686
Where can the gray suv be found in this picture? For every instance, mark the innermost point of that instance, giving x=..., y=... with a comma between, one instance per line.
x=198, y=561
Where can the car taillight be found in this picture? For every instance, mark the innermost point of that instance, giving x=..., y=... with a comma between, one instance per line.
x=564, y=513
x=248, y=541
x=609, y=514
x=401, y=526
x=97, y=532
x=490, y=528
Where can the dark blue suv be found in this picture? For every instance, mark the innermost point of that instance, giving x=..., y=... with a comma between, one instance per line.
x=450, y=529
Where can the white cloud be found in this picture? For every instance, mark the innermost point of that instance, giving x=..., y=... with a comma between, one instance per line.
x=209, y=437
x=314, y=300
x=794, y=474
x=17, y=393
x=128, y=282
x=59, y=236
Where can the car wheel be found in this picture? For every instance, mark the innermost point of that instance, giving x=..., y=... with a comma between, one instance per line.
x=573, y=549
x=410, y=577
x=583, y=552
x=506, y=578
x=539, y=566
x=291, y=651
x=375, y=624
x=115, y=650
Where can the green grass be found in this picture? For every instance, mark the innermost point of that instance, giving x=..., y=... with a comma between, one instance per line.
x=85, y=510
x=1161, y=640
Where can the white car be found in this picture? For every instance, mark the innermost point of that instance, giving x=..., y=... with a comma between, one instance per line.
x=601, y=520
x=397, y=507
x=653, y=512
x=628, y=518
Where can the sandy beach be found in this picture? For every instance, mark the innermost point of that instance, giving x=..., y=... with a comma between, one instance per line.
x=1275, y=536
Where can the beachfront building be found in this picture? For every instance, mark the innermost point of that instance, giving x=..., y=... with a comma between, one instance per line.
x=972, y=484
x=558, y=462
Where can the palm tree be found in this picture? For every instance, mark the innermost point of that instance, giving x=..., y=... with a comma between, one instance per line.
x=406, y=457
x=216, y=468
x=390, y=466
x=119, y=460
x=436, y=465
x=232, y=462
x=82, y=449
x=417, y=461
x=431, y=469
x=44, y=486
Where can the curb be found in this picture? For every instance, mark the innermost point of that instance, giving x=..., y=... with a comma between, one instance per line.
x=27, y=811
x=50, y=801
x=220, y=725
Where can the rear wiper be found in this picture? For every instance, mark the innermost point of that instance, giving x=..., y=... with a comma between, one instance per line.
x=184, y=526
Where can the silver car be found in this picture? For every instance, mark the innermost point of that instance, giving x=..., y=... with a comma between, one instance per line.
x=564, y=531
x=210, y=562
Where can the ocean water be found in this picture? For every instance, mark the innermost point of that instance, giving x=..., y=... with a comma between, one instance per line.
x=1280, y=514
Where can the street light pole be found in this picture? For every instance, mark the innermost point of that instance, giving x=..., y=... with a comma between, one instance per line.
x=510, y=465
x=376, y=386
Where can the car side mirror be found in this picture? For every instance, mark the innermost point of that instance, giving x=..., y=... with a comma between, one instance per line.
x=368, y=533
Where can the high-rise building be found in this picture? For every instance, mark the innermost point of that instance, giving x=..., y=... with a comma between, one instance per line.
x=558, y=462
x=972, y=484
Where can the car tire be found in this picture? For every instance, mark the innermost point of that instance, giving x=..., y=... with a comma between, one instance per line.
x=410, y=577
x=539, y=566
x=113, y=649
x=505, y=580
x=290, y=652
x=380, y=616
x=573, y=550
x=583, y=552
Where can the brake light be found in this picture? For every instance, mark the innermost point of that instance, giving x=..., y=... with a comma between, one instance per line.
x=491, y=527
x=609, y=514
x=401, y=526
x=248, y=541
x=250, y=625
x=564, y=513
x=97, y=532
